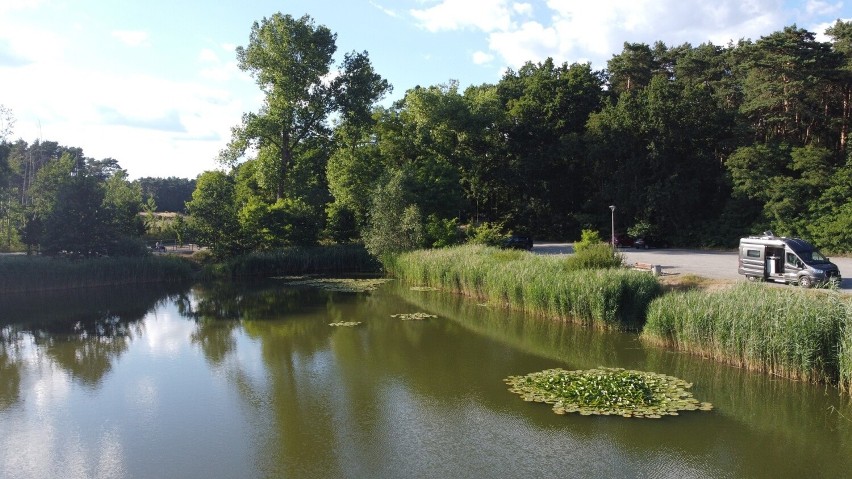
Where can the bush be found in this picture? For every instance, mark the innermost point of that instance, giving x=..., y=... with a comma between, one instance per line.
x=587, y=238
x=595, y=256
x=441, y=233
x=486, y=234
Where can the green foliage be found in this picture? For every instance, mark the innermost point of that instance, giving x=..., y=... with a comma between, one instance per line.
x=214, y=217
x=787, y=333
x=341, y=223
x=606, y=299
x=395, y=224
x=587, y=239
x=326, y=260
x=441, y=233
x=486, y=234
x=594, y=256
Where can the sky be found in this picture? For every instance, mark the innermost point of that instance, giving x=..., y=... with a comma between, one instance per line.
x=155, y=85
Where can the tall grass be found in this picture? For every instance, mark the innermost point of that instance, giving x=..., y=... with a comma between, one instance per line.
x=22, y=274
x=334, y=259
x=606, y=299
x=786, y=332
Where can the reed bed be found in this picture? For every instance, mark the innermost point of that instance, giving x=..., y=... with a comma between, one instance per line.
x=606, y=299
x=786, y=332
x=323, y=260
x=23, y=274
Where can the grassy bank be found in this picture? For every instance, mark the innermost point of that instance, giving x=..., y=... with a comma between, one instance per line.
x=22, y=273
x=323, y=260
x=606, y=299
x=782, y=331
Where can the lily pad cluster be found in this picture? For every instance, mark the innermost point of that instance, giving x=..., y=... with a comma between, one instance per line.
x=608, y=391
x=413, y=316
x=343, y=285
x=345, y=323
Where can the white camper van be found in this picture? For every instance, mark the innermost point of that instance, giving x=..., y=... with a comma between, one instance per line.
x=786, y=260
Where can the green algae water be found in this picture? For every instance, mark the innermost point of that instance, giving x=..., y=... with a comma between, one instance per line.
x=252, y=380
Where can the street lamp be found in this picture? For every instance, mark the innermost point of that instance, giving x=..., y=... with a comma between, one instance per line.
x=612, y=208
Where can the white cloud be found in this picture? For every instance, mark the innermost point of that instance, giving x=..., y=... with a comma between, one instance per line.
x=385, y=10
x=482, y=58
x=133, y=38
x=820, y=7
x=586, y=31
x=485, y=15
x=11, y=5
x=523, y=8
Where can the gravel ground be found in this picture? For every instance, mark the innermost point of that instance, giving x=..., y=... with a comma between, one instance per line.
x=708, y=264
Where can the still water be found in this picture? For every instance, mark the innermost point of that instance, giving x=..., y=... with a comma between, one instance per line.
x=246, y=381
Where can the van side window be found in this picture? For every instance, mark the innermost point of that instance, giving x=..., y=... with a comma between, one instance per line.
x=753, y=253
x=792, y=259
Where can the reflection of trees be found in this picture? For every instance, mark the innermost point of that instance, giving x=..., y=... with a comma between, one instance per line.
x=83, y=331
x=750, y=409
x=330, y=402
x=10, y=373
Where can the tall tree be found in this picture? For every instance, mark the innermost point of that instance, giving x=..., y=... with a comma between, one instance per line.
x=291, y=60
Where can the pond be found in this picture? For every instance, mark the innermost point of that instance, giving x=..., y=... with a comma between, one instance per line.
x=250, y=380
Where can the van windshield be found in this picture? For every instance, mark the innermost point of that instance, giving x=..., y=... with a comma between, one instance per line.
x=812, y=256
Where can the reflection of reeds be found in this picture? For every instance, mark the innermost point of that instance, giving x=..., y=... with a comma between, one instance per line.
x=334, y=259
x=19, y=274
x=784, y=332
x=607, y=299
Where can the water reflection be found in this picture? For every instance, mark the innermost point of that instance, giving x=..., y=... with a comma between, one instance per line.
x=250, y=380
x=81, y=331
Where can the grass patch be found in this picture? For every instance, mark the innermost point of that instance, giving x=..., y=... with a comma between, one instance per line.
x=792, y=333
x=38, y=273
x=608, y=299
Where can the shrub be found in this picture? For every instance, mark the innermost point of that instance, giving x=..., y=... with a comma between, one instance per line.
x=587, y=238
x=486, y=234
x=595, y=256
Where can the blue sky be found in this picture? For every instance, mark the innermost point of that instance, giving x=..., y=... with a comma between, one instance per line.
x=154, y=83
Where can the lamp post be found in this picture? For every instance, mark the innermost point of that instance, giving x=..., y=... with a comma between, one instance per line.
x=612, y=240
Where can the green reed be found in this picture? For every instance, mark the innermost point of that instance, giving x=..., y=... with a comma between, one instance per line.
x=607, y=299
x=781, y=331
x=333, y=259
x=21, y=273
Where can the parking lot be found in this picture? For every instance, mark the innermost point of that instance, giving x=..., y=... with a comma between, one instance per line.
x=708, y=264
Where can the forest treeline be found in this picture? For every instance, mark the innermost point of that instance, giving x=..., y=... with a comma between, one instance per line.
x=697, y=144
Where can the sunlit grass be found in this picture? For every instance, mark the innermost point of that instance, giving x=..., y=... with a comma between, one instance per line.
x=609, y=299
x=786, y=332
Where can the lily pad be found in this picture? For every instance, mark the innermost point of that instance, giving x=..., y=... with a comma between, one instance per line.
x=348, y=324
x=413, y=316
x=343, y=285
x=606, y=391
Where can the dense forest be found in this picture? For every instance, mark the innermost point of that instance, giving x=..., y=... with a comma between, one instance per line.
x=697, y=144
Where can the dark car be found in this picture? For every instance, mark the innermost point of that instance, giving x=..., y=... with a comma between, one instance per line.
x=623, y=241
x=645, y=242
x=518, y=242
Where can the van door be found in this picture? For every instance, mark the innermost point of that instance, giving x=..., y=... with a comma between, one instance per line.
x=792, y=266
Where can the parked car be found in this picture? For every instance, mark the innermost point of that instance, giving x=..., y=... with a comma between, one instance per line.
x=623, y=241
x=518, y=242
x=645, y=242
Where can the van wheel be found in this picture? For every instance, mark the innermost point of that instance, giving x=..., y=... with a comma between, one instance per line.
x=805, y=281
x=751, y=278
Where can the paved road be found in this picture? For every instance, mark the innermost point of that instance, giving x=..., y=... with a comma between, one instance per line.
x=709, y=264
